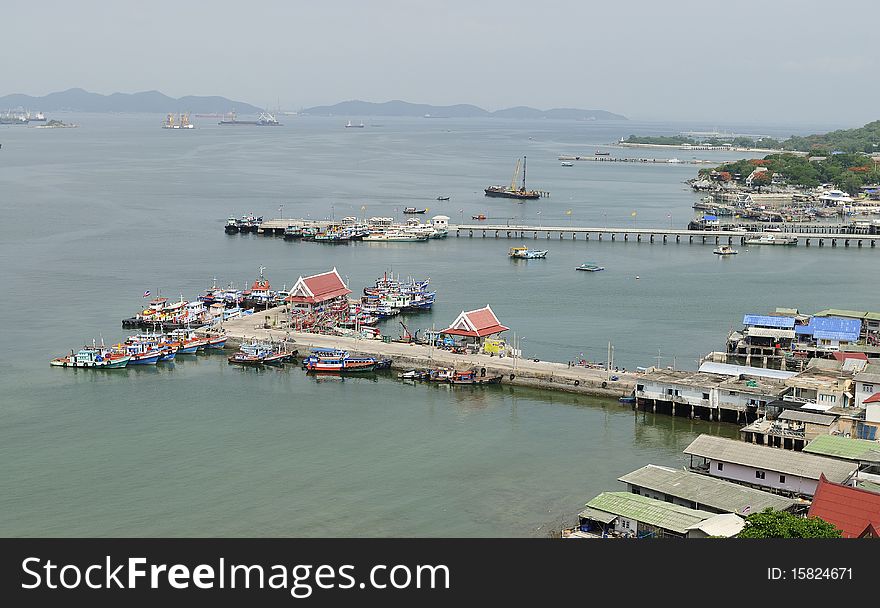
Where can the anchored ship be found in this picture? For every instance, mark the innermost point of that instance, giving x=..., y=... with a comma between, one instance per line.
x=512, y=191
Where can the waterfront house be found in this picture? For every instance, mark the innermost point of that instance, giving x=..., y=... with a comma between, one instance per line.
x=827, y=333
x=695, y=491
x=781, y=471
x=856, y=512
x=867, y=384
x=317, y=292
x=628, y=515
x=714, y=395
x=826, y=383
x=869, y=428
x=870, y=324
x=472, y=328
x=791, y=429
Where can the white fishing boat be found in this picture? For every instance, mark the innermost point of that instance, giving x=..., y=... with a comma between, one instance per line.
x=394, y=236
x=725, y=250
x=527, y=254
x=771, y=239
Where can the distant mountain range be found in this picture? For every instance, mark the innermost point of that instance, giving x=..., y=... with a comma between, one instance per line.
x=403, y=108
x=79, y=100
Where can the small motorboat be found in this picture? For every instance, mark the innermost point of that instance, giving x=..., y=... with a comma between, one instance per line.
x=414, y=210
x=725, y=250
x=478, y=217
x=590, y=267
x=442, y=198
x=527, y=254
x=567, y=163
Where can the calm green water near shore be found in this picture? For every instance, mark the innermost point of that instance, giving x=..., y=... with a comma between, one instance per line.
x=97, y=215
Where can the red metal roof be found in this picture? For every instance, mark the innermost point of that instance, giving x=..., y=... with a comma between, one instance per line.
x=875, y=398
x=476, y=324
x=850, y=509
x=318, y=288
x=843, y=356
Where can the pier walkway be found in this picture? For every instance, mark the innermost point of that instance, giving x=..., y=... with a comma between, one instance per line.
x=807, y=234
x=664, y=235
x=516, y=371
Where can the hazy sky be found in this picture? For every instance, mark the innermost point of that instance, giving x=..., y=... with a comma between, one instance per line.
x=782, y=61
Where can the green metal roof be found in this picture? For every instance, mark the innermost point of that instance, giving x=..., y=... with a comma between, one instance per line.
x=873, y=316
x=844, y=448
x=836, y=312
x=870, y=486
x=705, y=490
x=645, y=510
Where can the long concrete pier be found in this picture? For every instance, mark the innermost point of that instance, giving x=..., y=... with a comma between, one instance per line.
x=514, y=370
x=807, y=235
x=663, y=235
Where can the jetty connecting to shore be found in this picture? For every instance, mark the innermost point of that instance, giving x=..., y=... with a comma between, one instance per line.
x=808, y=234
x=514, y=370
x=811, y=234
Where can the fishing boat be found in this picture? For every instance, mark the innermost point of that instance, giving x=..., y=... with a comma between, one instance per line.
x=292, y=233
x=442, y=198
x=567, y=163
x=396, y=236
x=414, y=374
x=412, y=210
x=627, y=399
x=92, y=357
x=231, y=226
x=527, y=254
x=512, y=191
x=243, y=358
x=353, y=126
x=340, y=364
x=478, y=217
x=216, y=342
x=590, y=267
x=471, y=377
x=770, y=239
x=600, y=153
x=725, y=250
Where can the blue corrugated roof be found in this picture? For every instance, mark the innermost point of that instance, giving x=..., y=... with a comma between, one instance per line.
x=767, y=321
x=831, y=328
x=711, y=218
x=836, y=328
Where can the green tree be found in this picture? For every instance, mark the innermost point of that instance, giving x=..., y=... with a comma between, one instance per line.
x=782, y=524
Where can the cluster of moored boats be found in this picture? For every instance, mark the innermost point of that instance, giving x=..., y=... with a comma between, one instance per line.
x=244, y=224
x=141, y=349
x=376, y=229
x=451, y=376
x=214, y=305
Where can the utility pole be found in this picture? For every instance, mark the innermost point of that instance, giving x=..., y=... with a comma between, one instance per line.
x=514, y=352
x=658, y=358
x=608, y=362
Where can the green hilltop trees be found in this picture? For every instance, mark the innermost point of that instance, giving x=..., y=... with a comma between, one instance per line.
x=782, y=524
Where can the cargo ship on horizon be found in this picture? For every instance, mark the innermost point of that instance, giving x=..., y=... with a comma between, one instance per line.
x=266, y=119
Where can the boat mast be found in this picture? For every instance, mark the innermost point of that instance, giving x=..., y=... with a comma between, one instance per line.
x=524, y=174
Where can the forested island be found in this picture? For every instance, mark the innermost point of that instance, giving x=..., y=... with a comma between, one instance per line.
x=865, y=139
